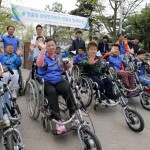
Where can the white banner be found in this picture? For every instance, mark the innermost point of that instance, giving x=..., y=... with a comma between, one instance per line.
x=29, y=15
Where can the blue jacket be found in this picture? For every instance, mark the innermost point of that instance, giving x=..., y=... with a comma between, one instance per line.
x=78, y=58
x=141, y=68
x=52, y=69
x=13, y=61
x=115, y=62
x=2, y=59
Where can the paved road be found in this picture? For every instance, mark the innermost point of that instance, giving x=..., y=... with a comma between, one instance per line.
x=110, y=126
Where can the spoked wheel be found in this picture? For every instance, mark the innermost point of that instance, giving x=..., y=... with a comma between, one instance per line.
x=135, y=120
x=11, y=141
x=86, y=91
x=75, y=72
x=62, y=104
x=89, y=139
x=32, y=99
x=145, y=101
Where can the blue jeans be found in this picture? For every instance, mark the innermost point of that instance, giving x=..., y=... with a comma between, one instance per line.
x=145, y=80
x=6, y=100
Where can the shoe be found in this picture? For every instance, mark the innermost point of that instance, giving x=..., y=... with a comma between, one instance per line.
x=60, y=128
x=14, y=94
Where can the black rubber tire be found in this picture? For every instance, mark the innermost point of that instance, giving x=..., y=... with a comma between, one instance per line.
x=45, y=124
x=32, y=85
x=142, y=102
x=10, y=143
x=142, y=124
x=85, y=130
x=90, y=97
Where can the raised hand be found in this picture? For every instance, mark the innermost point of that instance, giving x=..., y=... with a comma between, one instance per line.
x=41, y=45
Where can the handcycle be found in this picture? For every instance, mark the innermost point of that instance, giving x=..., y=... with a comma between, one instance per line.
x=35, y=92
x=11, y=137
x=133, y=119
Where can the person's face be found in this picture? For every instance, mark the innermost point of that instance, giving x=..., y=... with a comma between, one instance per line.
x=58, y=50
x=51, y=47
x=105, y=40
x=115, y=50
x=121, y=38
x=79, y=35
x=39, y=31
x=135, y=41
x=9, y=49
x=92, y=51
x=142, y=57
x=11, y=30
x=80, y=51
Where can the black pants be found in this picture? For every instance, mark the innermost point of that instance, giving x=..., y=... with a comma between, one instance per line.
x=53, y=90
x=105, y=85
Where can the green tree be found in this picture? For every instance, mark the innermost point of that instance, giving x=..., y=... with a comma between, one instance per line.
x=138, y=25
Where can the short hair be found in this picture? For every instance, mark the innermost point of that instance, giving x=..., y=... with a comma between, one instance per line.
x=121, y=34
x=11, y=27
x=9, y=45
x=80, y=47
x=105, y=37
x=79, y=31
x=140, y=52
x=137, y=38
x=116, y=45
x=91, y=43
x=39, y=37
x=39, y=26
x=58, y=47
x=48, y=40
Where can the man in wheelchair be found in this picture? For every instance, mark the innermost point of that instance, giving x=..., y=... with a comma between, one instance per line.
x=140, y=64
x=92, y=66
x=14, y=62
x=50, y=69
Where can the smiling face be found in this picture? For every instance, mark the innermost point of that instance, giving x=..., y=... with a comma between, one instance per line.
x=11, y=31
x=9, y=49
x=39, y=31
x=114, y=50
x=92, y=51
x=51, y=47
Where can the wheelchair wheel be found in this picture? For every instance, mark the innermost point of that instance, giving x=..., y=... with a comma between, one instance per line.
x=145, y=101
x=135, y=120
x=91, y=142
x=86, y=91
x=62, y=104
x=75, y=72
x=32, y=99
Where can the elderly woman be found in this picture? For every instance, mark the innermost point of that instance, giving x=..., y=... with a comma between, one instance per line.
x=50, y=68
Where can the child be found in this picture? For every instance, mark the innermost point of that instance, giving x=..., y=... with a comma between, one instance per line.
x=115, y=63
x=79, y=57
x=144, y=79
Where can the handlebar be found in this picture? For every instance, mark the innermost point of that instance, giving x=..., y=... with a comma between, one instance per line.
x=10, y=70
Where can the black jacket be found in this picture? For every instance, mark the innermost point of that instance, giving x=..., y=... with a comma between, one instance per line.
x=101, y=47
x=76, y=45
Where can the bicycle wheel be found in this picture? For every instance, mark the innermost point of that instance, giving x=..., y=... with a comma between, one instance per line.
x=62, y=104
x=75, y=72
x=145, y=101
x=11, y=141
x=86, y=91
x=136, y=122
x=89, y=139
x=32, y=99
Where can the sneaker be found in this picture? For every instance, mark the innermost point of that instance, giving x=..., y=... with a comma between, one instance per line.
x=60, y=128
x=14, y=94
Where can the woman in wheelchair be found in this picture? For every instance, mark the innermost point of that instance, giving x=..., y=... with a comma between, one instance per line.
x=50, y=69
x=116, y=64
x=92, y=66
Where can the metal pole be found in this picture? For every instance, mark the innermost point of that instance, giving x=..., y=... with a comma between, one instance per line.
x=121, y=16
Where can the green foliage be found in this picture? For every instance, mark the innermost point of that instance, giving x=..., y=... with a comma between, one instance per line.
x=138, y=25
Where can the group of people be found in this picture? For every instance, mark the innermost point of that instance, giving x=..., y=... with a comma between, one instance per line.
x=47, y=56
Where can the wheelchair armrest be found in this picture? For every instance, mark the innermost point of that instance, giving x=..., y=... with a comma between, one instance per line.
x=39, y=77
